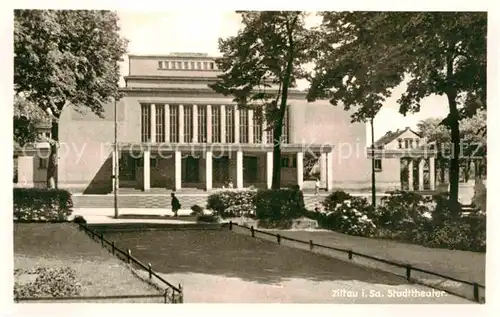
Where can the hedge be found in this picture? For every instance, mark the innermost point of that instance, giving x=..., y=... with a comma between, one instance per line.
x=280, y=204
x=231, y=203
x=41, y=204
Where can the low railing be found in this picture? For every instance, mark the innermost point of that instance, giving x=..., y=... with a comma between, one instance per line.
x=164, y=298
x=350, y=253
x=172, y=294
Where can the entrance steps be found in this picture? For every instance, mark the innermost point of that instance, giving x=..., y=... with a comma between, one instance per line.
x=160, y=201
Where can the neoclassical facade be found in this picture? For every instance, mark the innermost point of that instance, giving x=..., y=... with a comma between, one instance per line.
x=174, y=132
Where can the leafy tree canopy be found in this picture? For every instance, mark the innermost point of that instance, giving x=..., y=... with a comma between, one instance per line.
x=364, y=55
x=268, y=53
x=67, y=57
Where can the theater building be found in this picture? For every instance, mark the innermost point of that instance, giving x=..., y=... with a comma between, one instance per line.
x=174, y=132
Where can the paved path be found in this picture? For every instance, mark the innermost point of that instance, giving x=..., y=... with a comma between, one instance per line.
x=105, y=215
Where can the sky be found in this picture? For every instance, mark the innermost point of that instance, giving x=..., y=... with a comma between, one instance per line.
x=198, y=31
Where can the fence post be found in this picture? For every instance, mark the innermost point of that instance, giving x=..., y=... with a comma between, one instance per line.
x=476, y=292
x=113, y=248
x=181, y=294
x=102, y=239
x=129, y=254
x=408, y=272
x=253, y=233
x=150, y=271
x=165, y=295
x=230, y=225
x=311, y=245
x=279, y=238
x=350, y=254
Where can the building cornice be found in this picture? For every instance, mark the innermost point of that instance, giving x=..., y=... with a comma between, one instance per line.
x=174, y=56
x=218, y=147
x=194, y=91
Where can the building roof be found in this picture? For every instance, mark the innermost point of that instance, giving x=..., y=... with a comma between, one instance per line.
x=391, y=136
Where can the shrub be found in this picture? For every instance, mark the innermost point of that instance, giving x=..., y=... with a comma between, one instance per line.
x=79, y=220
x=279, y=204
x=37, y=204
x=350, y=217
x=444, y=211
x=247, y=210
x=220, y=202
x=280, y=224
x=403, y=211
x=197, y=210
x=334, y=199
x=468, y=234
x=207, y=218
x=50, y=282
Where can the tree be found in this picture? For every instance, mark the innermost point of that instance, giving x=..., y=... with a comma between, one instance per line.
x=66, y=58
x=27, y=117
x=436, y=132
x=364, y=55
x=473, y=142
x=268, y=52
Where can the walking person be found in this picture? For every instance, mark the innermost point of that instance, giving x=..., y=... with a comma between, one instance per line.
x=176, y=205
x=317, y=187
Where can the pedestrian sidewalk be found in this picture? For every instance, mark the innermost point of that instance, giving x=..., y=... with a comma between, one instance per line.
x=105, y=215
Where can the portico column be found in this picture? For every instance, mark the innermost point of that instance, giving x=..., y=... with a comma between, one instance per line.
x=153, y=122
x=208, y=169
x=410, y=174
x=250, y=125
x=269, y=169
x=300, y=169
x=322, y=170
x=167, y=123
x=223, y=123
x=329, y=170
x=209, y=124
x=432, y=173
x=421, y=174
x=239, y=169
x=178, y=169
x=195, y=124
x=146, y=158
x=236, y=124
x=264, y=127
x=181, y=124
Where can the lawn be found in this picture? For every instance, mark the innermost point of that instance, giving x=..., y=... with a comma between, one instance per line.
x=62, y=245
x=221, y=267
x=464, y=265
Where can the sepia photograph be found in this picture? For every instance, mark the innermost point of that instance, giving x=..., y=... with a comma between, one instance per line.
x=261, y=157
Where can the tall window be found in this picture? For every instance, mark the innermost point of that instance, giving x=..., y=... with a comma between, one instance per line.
x=145, y=123
x=202, y=124
x=284, y=133
x=257, y=130
x=243, y=126
x=174, y=123
x=160, y=124
x=270, y=132
x=188, y=123
x=216, y=127
x=229, y=124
